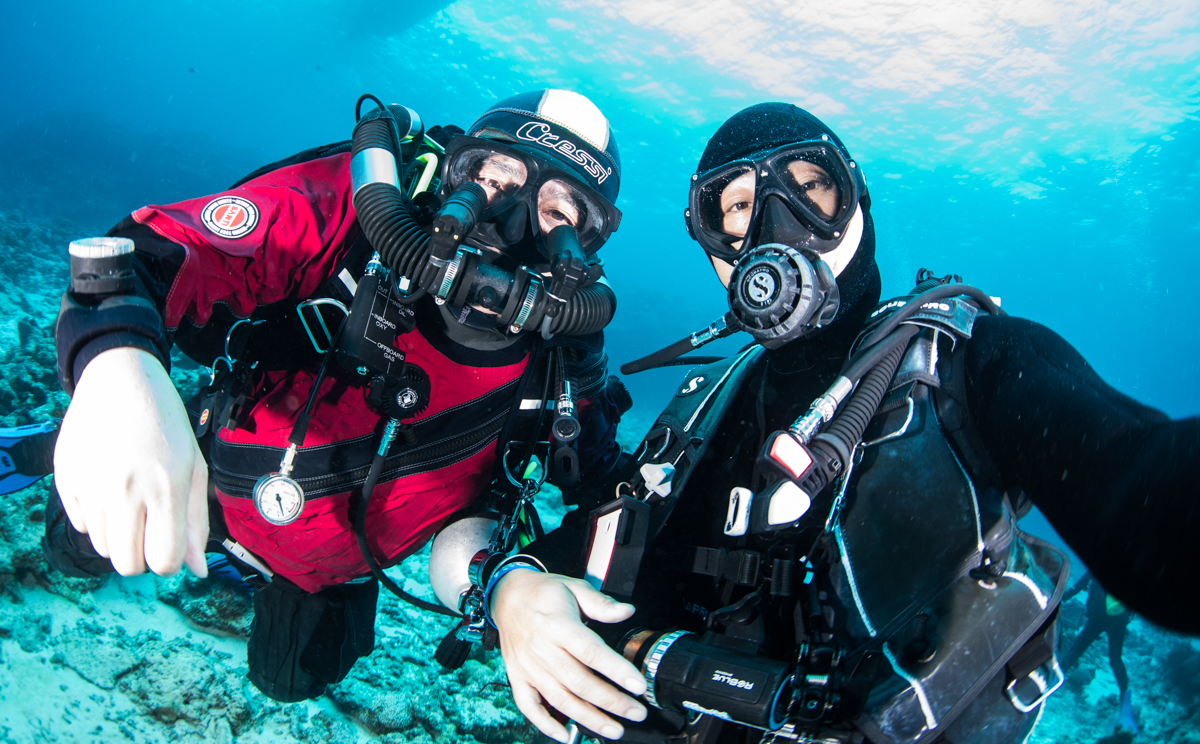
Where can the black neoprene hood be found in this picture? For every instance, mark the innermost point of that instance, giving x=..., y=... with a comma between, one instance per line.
x=762, y=127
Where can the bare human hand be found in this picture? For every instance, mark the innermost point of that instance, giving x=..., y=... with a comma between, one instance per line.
x=554, y=660
x=128, y=469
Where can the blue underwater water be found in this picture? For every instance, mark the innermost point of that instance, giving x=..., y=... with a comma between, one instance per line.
x=1049, y=153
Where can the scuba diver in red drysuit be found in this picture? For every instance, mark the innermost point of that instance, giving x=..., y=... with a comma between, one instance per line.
x=386, y=320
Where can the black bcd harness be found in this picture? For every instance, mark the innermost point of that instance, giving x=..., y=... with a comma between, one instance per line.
x=922, y=662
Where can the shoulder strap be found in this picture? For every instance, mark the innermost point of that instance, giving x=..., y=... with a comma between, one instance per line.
x=682, y=432
x=950, y=399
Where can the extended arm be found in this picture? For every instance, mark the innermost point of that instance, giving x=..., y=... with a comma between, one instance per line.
x=1117, y=479
x=127, y=465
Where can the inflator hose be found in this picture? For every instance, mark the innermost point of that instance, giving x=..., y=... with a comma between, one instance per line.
x=851, y=421
x=360, y=532
x=404, y=245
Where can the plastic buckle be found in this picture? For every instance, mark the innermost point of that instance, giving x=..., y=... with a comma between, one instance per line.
x=1046, y=690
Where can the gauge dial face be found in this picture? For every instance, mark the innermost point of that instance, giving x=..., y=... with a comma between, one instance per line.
x=278, y=498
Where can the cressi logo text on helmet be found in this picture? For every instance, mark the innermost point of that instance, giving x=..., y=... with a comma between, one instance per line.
x=564, y=123
x=539, y=132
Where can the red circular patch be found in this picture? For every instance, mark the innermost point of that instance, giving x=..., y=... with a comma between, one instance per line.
x=230, y=216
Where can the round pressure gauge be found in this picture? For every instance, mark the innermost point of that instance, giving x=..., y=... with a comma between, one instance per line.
x=278, y=498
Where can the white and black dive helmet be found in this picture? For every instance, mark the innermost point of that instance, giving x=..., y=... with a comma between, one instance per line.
x=540, y=152
x=527, y=200
x=550, y=170
x=777, y=196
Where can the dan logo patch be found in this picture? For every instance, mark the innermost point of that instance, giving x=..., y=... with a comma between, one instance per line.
x=230, y=216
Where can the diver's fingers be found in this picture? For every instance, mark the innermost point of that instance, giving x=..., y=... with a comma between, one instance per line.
x=125, y=532
x=596, y=605
x=567, y=702
x=98, y=534
x=72, y=507
x=529, y=702
x=168, y=504
x=66, y=476
x=583, y=644
x=197, y=519
x=166, y=537
x=576, y=674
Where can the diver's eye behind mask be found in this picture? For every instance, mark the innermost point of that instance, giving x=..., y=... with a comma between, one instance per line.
x=801, y=194
x=527, y=188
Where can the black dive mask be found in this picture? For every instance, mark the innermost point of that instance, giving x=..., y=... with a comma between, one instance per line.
x=528, y=195
x=779, y=293
x=802, y=194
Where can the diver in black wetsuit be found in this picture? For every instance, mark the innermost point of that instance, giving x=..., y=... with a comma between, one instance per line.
x=885, y=587
x=1104, y=614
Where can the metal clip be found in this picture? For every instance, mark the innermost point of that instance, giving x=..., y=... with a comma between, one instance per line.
x=474, y=622
x=321, y=320
x=531, y=293
x=1046, y=689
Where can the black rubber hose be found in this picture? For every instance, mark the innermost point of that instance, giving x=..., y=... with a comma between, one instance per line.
x=360, y=532
x=589, y=310
x=659, y=358
x=868, y=357
x=402, y=243
x=851, y=421
x=664, y=357
x=373, y=133
x=692, y=361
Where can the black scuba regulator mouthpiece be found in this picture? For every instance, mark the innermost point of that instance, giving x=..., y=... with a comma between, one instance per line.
x=778, y=294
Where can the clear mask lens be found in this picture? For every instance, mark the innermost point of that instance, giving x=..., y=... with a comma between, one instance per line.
x=500, y=175
x=560, y=202
x=808, y=178
x=726, y=202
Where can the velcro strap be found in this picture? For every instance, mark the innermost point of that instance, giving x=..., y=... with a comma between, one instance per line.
x=740, y=566
x=1037, y=650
